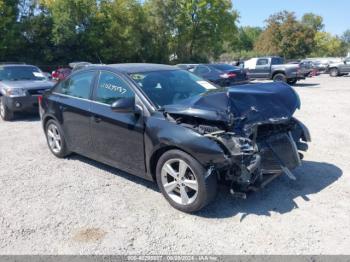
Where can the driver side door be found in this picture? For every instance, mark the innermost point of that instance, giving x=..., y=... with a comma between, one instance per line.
x=117, y=138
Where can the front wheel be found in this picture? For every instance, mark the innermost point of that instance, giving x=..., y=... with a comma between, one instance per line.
x=5, y=113
x=55, y=139
x=183, y=182
x=279, y=78
x=333, y=72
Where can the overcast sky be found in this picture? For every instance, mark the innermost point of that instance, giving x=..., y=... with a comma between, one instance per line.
x=336, y=13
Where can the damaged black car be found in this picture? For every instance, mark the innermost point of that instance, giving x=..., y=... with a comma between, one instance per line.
x=170, y=126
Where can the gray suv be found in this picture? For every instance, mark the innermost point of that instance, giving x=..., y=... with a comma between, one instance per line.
x=340, y=68
x=20, y=86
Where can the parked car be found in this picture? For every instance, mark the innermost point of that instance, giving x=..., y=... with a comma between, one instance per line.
x=188, y=67
x=20, y=86
x=339, y=68
x=321, y=66
x=306, y=67
x=79, y=65
x=273, y=68
x=170, y=126
x=61, y=73
x=221, y=74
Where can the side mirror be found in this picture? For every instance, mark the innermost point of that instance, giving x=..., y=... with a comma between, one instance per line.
x=124, y=105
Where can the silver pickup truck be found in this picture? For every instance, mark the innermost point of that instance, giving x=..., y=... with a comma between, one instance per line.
x=273, y=68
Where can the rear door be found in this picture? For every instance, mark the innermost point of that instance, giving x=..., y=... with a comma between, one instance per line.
x=117, y=137
x=75, y=108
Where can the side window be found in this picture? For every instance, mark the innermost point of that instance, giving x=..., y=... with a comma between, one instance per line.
x=262, y=62
x=78, y=85
x=201, y=70
x=110, y=88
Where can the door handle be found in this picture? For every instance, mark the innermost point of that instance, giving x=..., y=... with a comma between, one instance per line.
x=96, y=119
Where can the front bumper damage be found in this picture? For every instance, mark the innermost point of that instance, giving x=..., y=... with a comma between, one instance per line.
x=272, y=150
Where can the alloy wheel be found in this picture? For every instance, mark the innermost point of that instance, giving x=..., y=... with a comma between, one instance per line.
x=179, y=181
x=54, y=138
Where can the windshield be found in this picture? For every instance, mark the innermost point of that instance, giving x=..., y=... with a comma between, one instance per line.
x=16, y=73
x=224, y=67
x=170, y=87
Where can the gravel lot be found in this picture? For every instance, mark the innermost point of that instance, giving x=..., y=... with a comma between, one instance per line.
x=78, y=206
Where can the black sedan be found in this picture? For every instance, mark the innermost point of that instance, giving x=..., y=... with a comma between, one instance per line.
x=221, y=74
x=170, y=126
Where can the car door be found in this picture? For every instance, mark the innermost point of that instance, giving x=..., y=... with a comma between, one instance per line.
x=75, y=107
x=262, y=69
x=117, y=137
x=346, y=67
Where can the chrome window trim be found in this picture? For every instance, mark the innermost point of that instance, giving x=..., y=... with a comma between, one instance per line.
x=82, y=99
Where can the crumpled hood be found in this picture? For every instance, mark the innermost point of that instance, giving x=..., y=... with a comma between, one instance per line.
x=27, y=84
x=244, y=105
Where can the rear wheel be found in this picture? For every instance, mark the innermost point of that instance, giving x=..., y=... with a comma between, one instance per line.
x=333, y=72
x=55, y=139
x=279, y=78
x=182, y=181
x=5, y=113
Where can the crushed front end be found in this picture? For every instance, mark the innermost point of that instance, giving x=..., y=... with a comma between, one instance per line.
x=255, y=127
x=254, y=161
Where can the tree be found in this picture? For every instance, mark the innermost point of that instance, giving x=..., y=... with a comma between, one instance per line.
x=328, y=45
x=286, y=36
x=313, y=21
x=10, y=38
x=346, y=37
x=195, y=29
x=246, y=38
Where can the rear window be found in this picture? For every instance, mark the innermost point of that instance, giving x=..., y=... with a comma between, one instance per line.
x=277, y=61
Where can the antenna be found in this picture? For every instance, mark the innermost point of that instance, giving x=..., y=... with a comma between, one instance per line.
x=99, y=58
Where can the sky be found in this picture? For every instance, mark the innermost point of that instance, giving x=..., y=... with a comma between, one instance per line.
x=335, y=13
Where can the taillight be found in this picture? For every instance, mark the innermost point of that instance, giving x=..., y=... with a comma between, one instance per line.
x=40, y=99
x=54, y=74
x=228, y=75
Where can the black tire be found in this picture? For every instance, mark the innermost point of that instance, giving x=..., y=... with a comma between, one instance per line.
x=292, y=81
x=279, y=78
x=5, y=113
x=333, y=72
x=207, y=186
x=64, y=151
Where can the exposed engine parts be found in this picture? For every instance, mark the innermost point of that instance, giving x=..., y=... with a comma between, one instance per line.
x=269, y=150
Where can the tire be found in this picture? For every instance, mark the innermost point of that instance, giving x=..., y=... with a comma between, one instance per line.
x=333, y=72
x=279, y=78
x=180, y=192
x=54, y=134
x=292, y=81
x=5, y=113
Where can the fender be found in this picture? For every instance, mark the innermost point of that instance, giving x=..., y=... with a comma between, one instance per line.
x=171, y=135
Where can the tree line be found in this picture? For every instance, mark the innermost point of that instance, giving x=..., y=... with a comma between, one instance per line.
x=56, y=32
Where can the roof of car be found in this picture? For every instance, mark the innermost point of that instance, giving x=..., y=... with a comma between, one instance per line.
x=141, y=67
x=16, y=65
